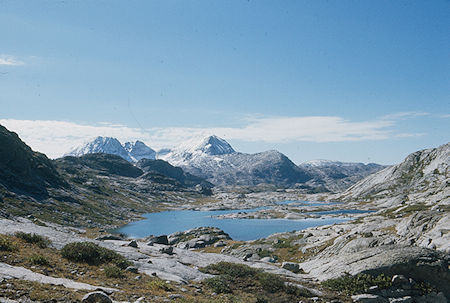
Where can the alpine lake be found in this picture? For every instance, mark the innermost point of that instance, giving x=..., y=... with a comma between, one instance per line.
x=167, y=222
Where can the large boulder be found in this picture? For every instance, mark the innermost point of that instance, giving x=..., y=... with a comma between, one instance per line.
x=420, y=264
x=198, y=237
x=96, y=297
x=159, y=240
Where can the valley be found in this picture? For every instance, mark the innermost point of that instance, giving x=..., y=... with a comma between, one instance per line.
x=220, y=226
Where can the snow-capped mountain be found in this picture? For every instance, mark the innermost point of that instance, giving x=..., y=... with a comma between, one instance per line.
x=137, y=150
x=213, y=158
x=130, y=151
x=189, y=151
x=423, y=176
x=337, y=176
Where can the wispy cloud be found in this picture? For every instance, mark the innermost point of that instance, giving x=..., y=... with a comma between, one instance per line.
x=10, y=60
x=405, y=115
x=55, y=138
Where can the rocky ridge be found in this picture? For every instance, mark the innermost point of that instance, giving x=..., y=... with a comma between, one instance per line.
x=423, y=177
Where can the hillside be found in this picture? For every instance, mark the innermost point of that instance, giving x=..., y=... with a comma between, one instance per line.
x=24, y=171
x=423, y=177
x=335, y=176
x=91, y=190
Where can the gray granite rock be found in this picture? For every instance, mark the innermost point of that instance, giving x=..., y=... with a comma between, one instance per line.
x=369, y=298
x=96, y=297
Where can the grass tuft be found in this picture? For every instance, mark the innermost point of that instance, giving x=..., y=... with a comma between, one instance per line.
x=40, y=241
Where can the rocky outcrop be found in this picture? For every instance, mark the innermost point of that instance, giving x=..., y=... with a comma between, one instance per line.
x=430, y=229
x=423, y=177
x=403, y=290
x=96, y=297
x=198, y=237
x=420, y=264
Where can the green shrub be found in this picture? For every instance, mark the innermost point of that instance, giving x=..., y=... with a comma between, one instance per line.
x=112, y=271
x=39, y=260
x=231, y=269
x=238, y=278
x=360, y=283
x=6, y=243
x=264, y=253
x=220, y=284
x=91, y=253
x=270, y=282
x=299, y=292
x=36, y=239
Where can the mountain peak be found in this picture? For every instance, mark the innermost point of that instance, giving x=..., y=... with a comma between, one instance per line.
x=107, y=145
x=130, y=151
x=213, y=145
x=138, y=150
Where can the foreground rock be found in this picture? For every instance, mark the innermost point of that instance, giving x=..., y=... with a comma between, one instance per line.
x=15, y=272
x=414, y=262
x=181, y=265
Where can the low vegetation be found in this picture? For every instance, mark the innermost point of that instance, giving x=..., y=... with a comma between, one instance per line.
x=39, y=260
x=112, y=271
x=6, y=244
x=158, y=285
x=360, y=283
x=236, y=279
x=93, y=254
x=36, y=239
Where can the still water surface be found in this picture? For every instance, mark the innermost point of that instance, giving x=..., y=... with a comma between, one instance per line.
x=168, y=222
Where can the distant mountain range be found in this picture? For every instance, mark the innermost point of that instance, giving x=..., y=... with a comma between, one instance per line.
x=214, y=159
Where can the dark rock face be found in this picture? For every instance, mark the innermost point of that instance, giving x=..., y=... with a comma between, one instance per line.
x=162, y=172
x=159, y=240
x=104, y=163
x=24, y=171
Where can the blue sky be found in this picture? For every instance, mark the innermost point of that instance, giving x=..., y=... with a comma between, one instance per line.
x=341, y=80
